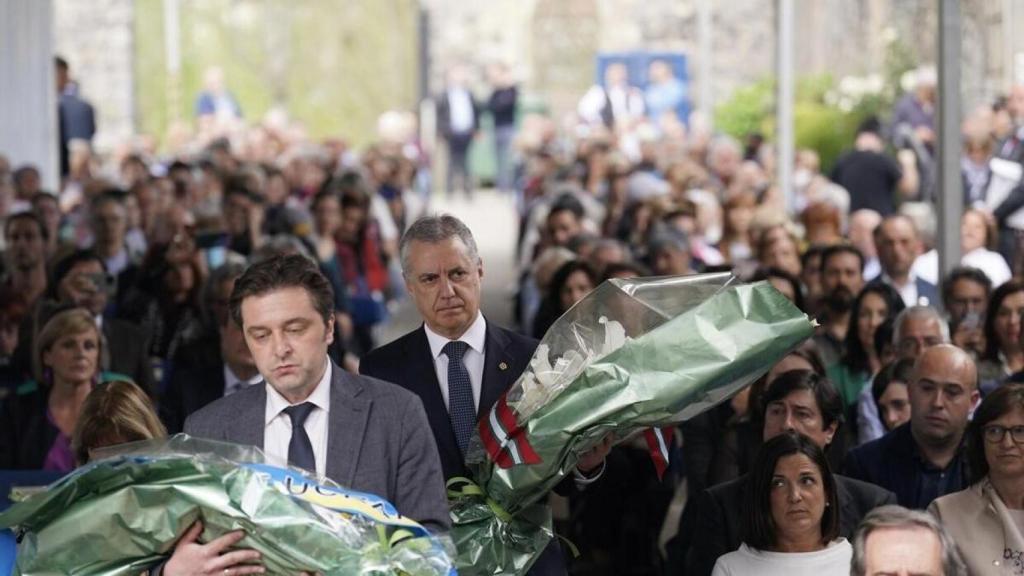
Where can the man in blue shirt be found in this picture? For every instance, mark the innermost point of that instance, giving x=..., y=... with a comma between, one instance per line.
x=923, y=459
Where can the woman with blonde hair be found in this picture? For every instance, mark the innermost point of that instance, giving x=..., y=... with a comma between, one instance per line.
x=118, y=411
x=114, y=413
x=37, y=421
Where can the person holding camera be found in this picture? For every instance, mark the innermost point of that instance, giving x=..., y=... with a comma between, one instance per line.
x=965, y=294
x=81, y=279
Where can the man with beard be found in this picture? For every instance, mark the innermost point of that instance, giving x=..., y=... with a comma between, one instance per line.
x=842, y=277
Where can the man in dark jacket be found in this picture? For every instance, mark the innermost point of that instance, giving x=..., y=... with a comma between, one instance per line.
x=458, y=363
x=923, y=459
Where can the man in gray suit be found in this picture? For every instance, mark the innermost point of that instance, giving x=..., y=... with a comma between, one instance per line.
x=361, y=432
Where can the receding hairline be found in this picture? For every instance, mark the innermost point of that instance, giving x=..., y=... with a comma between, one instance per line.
x=958, y=359
x=437, y=229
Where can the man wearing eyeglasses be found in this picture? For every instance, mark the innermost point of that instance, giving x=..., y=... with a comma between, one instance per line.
x=922, y=460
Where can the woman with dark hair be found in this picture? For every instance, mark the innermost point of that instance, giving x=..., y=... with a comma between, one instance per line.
x=790, y=524
x=1003, y=354
x=891, y=394
x=361, y=260
x=875, y=304
x=784, y=282
x=986, y=519
x=797, y=401
x=165, y=302
x=568, y=286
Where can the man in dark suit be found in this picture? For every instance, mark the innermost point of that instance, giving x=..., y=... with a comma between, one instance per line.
x=458, y=362
x=924, y=458
x=797, y=401
x=365, y=434
x=457, y=122
x=898, y=245
x=76, y=119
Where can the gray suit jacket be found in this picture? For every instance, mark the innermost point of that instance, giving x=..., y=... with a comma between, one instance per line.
x=378, y=441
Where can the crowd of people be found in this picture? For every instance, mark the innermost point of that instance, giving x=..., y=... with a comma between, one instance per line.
x=195, y=274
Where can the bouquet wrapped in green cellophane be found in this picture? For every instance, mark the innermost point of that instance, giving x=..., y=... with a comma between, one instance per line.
x=634, y=355
x=124, y=513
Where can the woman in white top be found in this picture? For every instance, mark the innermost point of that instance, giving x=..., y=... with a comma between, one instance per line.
x=791, y=521
x=977, y=239
x=987, y=519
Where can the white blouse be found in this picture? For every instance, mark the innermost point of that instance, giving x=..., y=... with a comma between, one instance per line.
x=832, y=560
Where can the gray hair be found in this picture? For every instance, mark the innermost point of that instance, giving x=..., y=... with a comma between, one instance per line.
x=898, y=517
x=434, y=230
x=918, y=312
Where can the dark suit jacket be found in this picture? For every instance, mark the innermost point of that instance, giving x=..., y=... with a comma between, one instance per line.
x=925, y=289
x=128, y=350
x=408, y=363
x=444, y=116
x=719, y=511
x=196, y=379
x=894, y=463
x=377, y=441
x=26, y=434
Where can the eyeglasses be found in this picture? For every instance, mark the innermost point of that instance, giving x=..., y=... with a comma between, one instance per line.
x=995, y=434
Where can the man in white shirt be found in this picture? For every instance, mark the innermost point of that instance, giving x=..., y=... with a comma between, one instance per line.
x=364, y=434
x=457, y=121
x=898, y=244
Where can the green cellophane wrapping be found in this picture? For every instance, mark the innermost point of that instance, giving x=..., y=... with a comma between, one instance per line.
x=649, y=353
x=122, y=514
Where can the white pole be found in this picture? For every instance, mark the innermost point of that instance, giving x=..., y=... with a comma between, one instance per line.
x=784, y=99
x=950, y=196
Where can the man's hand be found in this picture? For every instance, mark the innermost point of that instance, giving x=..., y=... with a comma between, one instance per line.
x=190, y=558
x=593, y=458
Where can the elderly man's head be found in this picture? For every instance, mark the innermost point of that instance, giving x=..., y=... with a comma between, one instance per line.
x=898, y=542
x=898, y=244
x=917, y=328
x=670, y=253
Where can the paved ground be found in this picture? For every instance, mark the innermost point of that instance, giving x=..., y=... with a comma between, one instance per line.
x=492, y=218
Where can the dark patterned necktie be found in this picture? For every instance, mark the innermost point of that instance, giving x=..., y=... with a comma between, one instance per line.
x=300, y=449
x=461, y=410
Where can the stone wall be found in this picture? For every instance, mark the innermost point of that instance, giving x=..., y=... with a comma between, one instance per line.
x=96, y=38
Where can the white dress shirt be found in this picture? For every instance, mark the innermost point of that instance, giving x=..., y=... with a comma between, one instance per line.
x=232, y=383
x=460, y=107
x=908, y=292
x=472, y=359
x=277, y=432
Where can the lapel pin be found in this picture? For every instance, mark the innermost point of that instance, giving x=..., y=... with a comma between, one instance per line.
x=502, y=366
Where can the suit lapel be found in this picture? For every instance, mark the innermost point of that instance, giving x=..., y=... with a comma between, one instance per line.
x=350, y=412
x=249, y=426
x=499, y=370
x=420, y=370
